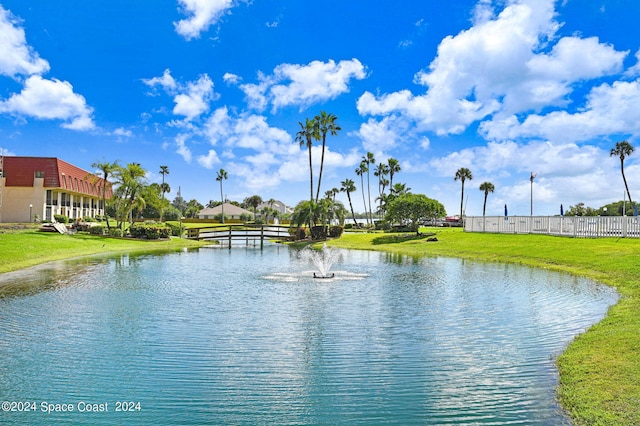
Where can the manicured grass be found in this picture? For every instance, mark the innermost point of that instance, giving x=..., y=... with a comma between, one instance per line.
x=600, y=369
x=28, y=247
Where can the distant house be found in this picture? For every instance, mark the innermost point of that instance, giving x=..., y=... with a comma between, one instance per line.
x=279, y=206
x=231, y=211
x=41, y=187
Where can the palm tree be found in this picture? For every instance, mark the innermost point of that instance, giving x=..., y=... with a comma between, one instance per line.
x=164, y=170
x=220, y=176
x=487, y=187
x=369, y=159
x=349, y=186
x=394, y=167
x=305, y=136
x=253, y=201
x=360, y=171
x=399, y=189
x=332, y=193
x=324, y=123
x=623, y=149
x=128, y=195
x=107, y=169
x=462, y=174
x=382, y=170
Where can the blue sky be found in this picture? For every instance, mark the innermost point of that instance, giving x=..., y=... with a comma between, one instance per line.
x=504, y=88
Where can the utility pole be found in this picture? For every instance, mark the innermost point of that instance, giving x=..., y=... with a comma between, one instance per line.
x=533, y=176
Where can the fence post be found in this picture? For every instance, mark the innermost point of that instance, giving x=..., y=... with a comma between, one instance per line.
x=261, y=237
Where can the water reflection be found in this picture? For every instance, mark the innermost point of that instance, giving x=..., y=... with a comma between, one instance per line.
x=248, y=336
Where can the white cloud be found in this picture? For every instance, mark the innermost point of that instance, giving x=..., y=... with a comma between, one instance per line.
x=262, y=156
x=166, y=81
x=183, y=149
x=634, y=71
x=191, y=99
x=303, y=85
x=50, y=99
x=203, y=14
x=548, y=159
x=4, y=151
x=121, y=131
x=609, y=109
x=196, y=98
x=230, y=78
x=16, y=56
x=210, y=160
x=496, y=68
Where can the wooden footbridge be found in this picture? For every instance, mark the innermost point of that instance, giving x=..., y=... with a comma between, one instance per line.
x=240, y=233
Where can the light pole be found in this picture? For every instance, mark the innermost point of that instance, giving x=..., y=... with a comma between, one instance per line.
x=533, y=176
x=30, y=211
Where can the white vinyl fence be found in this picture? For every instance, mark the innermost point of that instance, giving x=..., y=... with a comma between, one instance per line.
x=568, y=226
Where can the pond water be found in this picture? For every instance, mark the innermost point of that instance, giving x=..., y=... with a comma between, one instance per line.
x=245, y=336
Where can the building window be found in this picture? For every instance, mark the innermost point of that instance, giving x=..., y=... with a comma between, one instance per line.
x=39, y=175
x=49, y=196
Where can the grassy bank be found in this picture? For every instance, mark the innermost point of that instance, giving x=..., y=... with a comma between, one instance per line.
x=600, y=369
x=22, y=248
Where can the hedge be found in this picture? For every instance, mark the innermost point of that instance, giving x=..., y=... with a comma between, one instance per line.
x=150, y=231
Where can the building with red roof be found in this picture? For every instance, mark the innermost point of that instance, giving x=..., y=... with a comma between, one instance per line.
x=37, y=188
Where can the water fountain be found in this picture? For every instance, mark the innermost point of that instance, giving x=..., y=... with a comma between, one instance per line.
x=323, y=259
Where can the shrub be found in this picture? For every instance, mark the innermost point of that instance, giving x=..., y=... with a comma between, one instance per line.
x=150, y=231
x=318, y=233
x=88, y=219
x=115, y=232
x=335, y=231
x=298, y=233
x=383, y=225
x=61, y=218
x=175, y=229
x=97, y=230
x=171, y=213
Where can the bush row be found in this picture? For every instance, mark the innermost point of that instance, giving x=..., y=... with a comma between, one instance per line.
x=150, y=231
x=316, y=232
x=103, y=230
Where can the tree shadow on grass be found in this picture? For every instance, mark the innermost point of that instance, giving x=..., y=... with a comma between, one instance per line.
x=401, y=238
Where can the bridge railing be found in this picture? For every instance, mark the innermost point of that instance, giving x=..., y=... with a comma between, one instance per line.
x=569, y=226
x=229, y=233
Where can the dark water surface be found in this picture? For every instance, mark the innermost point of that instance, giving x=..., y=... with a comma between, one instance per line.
x=248, y=337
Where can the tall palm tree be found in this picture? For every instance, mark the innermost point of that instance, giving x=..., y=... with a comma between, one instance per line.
x=487, y=187
x=107, y=170
x=360, y=171
x=164, y=170
x=369, y=159
x=462, y=174
x=325, y=123
x=623, y=149
x=394, y=167
x=220, y=176
x=382, y=170
x=349, y=186
x=305, y=136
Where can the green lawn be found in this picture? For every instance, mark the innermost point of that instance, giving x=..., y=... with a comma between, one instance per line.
x=600, y=370
x=28, y=247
